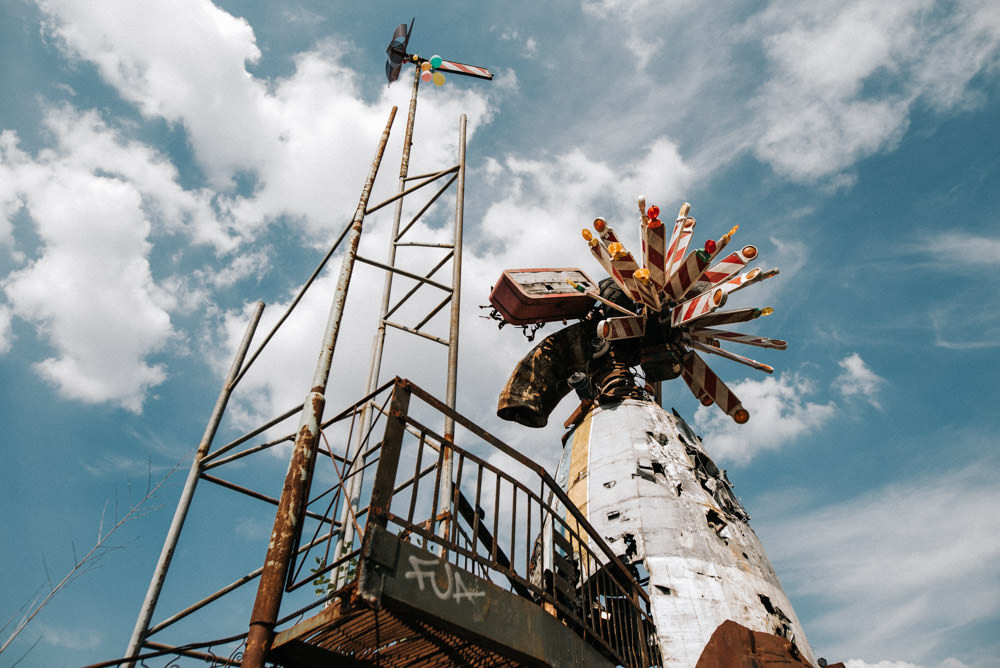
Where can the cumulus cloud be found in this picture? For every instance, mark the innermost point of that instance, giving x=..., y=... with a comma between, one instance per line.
x=900, y=570
x=858, y=380
x=91, y=293
x=843, y=78
x=95, y=198
x=779, y=414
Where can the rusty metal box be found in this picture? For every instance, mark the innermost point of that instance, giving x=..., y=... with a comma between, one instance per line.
x=527, y=296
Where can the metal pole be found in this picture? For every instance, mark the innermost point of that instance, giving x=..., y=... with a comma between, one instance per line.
x=353, y=492
x=445, y=497
x=187, y=494
x=294, y=495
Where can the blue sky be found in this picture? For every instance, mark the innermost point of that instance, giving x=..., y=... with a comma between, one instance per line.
x=165, y=165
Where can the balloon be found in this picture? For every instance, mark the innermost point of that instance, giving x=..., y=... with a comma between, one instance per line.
x=438, y=79
x=426, y=76
x=435, y=61
x=425, y=66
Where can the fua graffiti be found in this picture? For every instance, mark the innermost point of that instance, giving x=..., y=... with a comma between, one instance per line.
x=427, y=570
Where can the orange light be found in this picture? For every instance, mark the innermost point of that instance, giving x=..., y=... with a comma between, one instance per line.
x=616, y=250
x=600, y=224
x=749, y=252
x=753, y=274
x=717, y=297
x=642, y=275
x=688, y=224
x=706, y=400
x=586, y=234
x=654, y=223
x=741, y=416
x=653, y=211
x=767, y=310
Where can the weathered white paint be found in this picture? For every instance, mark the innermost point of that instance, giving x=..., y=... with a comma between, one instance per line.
x=639, y=471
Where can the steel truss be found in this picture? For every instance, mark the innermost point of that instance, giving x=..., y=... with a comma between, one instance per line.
x=293, y=500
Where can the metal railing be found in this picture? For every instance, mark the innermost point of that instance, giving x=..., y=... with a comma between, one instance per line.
x=507, y=522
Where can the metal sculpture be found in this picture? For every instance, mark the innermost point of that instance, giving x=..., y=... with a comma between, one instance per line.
x=658, y=315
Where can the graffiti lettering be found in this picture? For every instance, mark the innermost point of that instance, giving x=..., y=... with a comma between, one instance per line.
x=423, y=570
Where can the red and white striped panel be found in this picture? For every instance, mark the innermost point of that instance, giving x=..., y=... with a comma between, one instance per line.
x=599, y=251
x=701, y=305
x=722, y=270
x=686, y=275
x=654, y=252
x=715, y=350
x=679, y=243
x=468, y=70
x=626, y=265
x=708, y=335
x=648, y=293
x=727, y=317
x=607, y=232
x=749, y=278
x=624, y=327
x=703, y=381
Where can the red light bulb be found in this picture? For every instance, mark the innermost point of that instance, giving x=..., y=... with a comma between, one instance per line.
x=653, y=212
x=710, y=246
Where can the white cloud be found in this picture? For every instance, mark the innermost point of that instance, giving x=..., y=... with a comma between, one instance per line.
x=972, y=248
x=844, y=77
x=5, y=331
x=899, y=571
x=91, y=292
x=76, y=639
x=779, y=414
x=858, y=380
x=94, y=199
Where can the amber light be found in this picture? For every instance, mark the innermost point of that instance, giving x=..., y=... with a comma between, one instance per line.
x=741, y=416
x=586, y=234
x=653, y=212
x=600, y=224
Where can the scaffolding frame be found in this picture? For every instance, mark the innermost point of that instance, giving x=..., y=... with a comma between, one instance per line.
x=292, y=505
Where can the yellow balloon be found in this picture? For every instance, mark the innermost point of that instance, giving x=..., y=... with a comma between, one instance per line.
x=438, y=79
x=425, y=66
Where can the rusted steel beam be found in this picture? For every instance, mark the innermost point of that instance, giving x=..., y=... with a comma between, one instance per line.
x=385, y=475
x=294, y=495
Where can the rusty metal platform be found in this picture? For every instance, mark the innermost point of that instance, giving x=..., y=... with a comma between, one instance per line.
x=410, y=608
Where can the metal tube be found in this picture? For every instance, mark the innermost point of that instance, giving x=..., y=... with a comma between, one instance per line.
x=353, y=492
x=288, y=519
x=444, y=510
x=184, y=503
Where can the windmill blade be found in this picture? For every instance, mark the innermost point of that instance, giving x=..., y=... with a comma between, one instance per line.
x=715, y=350
x=705, y=384
x=624, y=327
x=396, y=51
x=728, y=317
x=708, y=335
x=751, y=277
x=692, y=309
x=466, y=70
x=723, y=270
x=687, y=274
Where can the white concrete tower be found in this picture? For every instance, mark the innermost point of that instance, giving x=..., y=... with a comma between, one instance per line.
x=646, y=484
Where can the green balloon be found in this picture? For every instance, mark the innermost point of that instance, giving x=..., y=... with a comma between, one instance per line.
x=435, y=61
